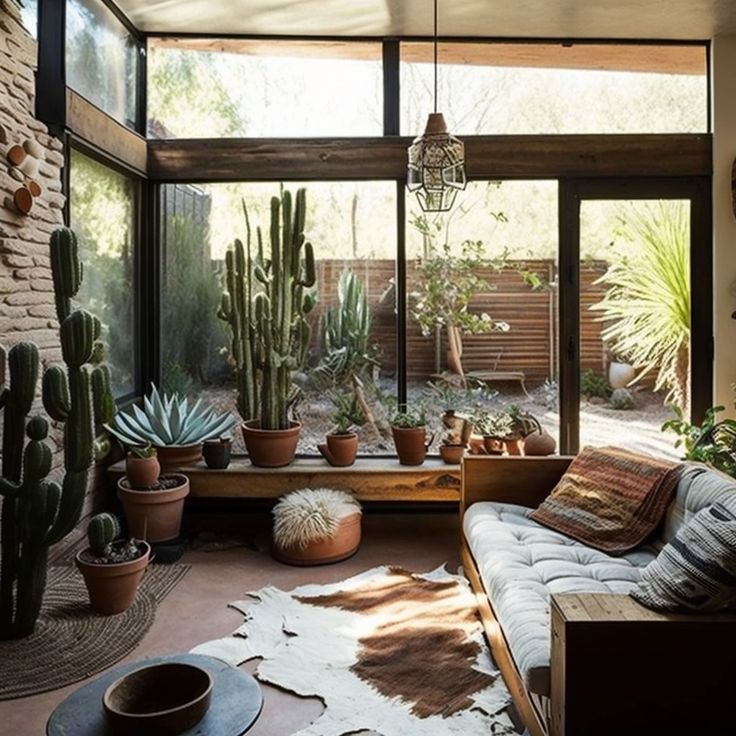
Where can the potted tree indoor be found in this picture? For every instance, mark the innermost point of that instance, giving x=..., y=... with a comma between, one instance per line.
x=409, y=429
x=342, y=441
x=112, y=567
x=267, y=299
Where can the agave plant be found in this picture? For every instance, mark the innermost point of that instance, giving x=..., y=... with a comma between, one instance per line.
x=169, y=421
x=647, y=304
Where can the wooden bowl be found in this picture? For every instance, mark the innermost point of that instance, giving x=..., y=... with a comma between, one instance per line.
x=161, y=700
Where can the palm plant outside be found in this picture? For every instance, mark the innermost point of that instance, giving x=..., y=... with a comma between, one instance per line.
x=647, y=304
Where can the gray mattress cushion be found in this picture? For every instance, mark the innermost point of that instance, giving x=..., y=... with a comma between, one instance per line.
x=522, y=563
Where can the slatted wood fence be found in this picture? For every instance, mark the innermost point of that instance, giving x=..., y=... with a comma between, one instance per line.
x=529, y=346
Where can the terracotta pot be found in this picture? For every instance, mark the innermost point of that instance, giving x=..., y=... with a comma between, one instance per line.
x=340, y=450
x=539, y=443
x=493, y=446
x=154, y=515
x=173, y=456
x=217, y=453
x=270, y=448
x=342, y=545
x=141, y=472
x=452, y=454
x=514, y=446
x=411, y=444
x=112, y=588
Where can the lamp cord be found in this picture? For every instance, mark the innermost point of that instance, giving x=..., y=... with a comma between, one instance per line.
x=435, y=55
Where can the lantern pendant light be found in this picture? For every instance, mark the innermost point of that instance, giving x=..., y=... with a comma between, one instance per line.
x=436, y=170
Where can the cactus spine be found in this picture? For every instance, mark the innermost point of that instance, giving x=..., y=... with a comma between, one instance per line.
x=265, y=304
x=36, y=512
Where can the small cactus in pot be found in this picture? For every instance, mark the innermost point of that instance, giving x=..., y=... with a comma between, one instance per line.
x=142, y=468
x=112, y=567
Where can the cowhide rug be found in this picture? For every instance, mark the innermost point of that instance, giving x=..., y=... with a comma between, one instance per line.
x=387, y=651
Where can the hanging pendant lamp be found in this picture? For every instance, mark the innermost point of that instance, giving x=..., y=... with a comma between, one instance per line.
x=436, y=170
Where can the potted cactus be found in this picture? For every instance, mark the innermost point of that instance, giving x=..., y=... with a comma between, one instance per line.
x=38, y=512
x=175, y=428
x=265, y=305
x=112, y=567
x=342, y=441
x=141, y=466
x=409, y=429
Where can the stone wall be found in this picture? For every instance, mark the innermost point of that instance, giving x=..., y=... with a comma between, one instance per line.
x=27, y=309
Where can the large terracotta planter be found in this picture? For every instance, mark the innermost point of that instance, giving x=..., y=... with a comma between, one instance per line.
x=141, y=472
x=342, y=545
x=112, y=588
x=173, y=456
x=154, y=515
x=411, y=444
x=341, y=449
x=270, y=448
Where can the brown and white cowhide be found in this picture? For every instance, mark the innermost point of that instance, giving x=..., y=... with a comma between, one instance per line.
x=387, y=651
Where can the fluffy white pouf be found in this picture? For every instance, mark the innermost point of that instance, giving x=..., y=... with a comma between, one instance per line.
x=311, y=515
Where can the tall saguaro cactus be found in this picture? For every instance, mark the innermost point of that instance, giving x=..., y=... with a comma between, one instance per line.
x=38, y=512
x=265, y=303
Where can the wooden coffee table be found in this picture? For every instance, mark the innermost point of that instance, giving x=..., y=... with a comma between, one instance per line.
x=236, y=701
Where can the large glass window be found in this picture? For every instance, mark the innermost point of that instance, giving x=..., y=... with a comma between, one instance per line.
x=263, y=88
x=102, y=213
x=490, y=88
x=102, y=59
x=487, y=272
x=352, y=227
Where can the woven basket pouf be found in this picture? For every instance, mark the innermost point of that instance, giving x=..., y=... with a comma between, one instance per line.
x=316, y=526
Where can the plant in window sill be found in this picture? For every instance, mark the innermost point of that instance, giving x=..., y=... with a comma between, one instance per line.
x=409, y=429
x=342, y=442
x=711, y=442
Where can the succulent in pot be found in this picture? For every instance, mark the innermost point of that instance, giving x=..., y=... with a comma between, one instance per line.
x=409, y=429
x=112, y=567
x=176, y=428
x=141, y=466
x=494, y=428
x=342, y=442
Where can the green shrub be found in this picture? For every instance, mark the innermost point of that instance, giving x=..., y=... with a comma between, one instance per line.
x=594, y=384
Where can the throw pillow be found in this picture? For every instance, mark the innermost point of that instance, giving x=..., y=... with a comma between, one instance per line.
x=697, y=569
x=610, y=499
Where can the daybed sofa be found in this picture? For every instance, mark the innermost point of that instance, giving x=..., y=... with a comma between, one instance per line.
x=580, y=657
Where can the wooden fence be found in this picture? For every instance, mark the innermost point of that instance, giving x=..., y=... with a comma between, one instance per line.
x=530, y=345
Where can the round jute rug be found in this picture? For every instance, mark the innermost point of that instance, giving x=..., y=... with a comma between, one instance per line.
x=71, y=641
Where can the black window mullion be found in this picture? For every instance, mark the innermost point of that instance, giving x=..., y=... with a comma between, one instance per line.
x=51, y=71
x=149, y=290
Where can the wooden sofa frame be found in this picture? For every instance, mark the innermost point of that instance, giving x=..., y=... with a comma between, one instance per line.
x=617, y=668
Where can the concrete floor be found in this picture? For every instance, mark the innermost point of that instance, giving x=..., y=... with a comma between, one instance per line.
x=196, y=610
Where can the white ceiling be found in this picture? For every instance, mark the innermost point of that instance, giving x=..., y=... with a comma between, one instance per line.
x=634, y=19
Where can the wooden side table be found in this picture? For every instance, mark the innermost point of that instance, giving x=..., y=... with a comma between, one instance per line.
x=236, y=701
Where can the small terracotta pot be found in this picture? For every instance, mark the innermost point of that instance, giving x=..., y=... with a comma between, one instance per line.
x=112, y=588
x=493, y=446
x=141, y=472
x=342, y=545
x=341, y=449
x=154, y=515
x=513, y=446
x=539, y=443
x=270, y=448
x=452, y=454
x=411, y=444
x=217, y=453
x=173, y=456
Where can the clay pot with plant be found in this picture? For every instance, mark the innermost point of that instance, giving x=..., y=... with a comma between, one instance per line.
x=175, y=427
x=494, y=428
x=409, y=429
x=112, y=567
x=267, y=298
x=342, y=442
x=142, y=468
x=456, y=438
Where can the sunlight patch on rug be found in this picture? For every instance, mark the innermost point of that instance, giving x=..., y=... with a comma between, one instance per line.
x=386, y=651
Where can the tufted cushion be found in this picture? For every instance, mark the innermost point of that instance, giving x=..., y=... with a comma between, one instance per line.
x=522, y=563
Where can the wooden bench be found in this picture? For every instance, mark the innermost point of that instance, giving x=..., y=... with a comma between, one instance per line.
x=491, y=376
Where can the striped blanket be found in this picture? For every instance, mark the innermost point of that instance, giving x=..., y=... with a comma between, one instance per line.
x=610, y=499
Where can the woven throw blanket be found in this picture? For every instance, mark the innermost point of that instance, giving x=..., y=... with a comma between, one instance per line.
x=610, y=499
